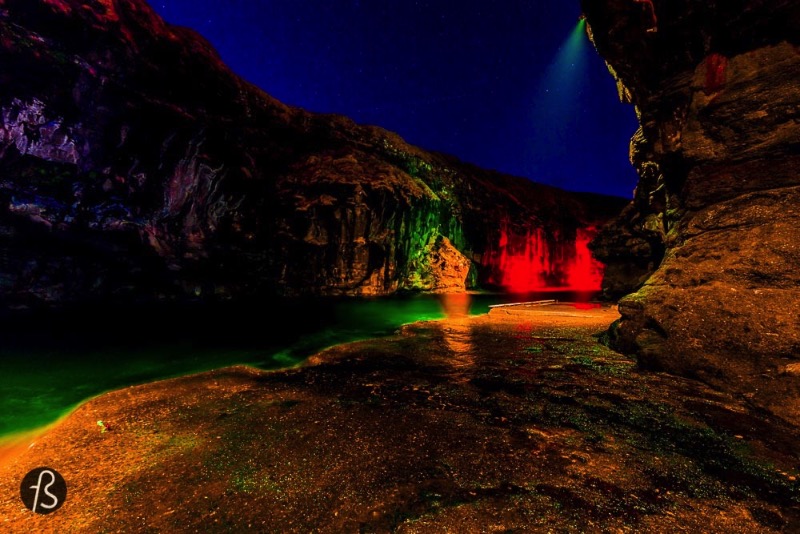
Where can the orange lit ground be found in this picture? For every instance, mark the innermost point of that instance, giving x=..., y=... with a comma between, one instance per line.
x=516, y=421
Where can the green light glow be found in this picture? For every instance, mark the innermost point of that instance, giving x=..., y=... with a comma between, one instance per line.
x=46, y=384
x=556, y=101
x=571, y=51
x=43, y=383
x=567, y=66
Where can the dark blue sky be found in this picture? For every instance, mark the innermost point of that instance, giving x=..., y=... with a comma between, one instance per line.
x=493, y=82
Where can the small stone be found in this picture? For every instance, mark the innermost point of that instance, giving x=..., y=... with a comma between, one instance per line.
x=793, y=369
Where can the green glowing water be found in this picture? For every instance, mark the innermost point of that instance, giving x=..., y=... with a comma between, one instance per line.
x=49, y=365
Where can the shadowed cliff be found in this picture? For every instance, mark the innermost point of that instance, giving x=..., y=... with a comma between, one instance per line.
x=135, y=165
x=709, y=247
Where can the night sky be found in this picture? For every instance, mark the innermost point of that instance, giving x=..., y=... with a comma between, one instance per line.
x=493, y=82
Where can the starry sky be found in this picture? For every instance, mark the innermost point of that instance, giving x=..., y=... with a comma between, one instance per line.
x=510, y=85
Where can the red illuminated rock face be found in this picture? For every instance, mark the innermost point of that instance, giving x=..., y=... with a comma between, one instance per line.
x=536, y=261
x=135, y=165
x=710, y=245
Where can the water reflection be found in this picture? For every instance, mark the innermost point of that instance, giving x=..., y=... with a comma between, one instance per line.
x=60, y=358
x=455, y=305
x=457, y=335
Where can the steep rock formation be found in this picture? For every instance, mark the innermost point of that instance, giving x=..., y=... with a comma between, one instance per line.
x=714, y=225
x=134, y=164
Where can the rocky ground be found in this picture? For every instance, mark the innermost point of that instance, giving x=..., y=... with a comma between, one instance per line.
x=515, y=421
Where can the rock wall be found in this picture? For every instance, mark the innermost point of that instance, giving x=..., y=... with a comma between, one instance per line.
x=710, y=245
x=135, y=165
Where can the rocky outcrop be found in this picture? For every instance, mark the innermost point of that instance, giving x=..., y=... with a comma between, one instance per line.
x=134, y=164
x=711, y=238
x=442, y=268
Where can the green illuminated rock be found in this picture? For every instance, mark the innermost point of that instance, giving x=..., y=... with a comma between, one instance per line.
x=439, y=267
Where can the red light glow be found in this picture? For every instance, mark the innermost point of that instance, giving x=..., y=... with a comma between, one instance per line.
x=716, y=73
x=532, y=262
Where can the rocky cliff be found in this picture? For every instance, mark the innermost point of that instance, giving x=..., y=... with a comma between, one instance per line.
x=710, y=245
x=134, y=164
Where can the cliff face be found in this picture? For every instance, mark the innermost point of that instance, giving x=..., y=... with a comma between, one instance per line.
x=134, y=164
x=714, y=225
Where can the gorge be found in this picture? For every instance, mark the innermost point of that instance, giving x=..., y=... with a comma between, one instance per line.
x=223, y=313
x=137, y=166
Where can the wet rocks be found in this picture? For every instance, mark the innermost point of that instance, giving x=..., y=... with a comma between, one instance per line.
x=710, y=239
x=516, y=421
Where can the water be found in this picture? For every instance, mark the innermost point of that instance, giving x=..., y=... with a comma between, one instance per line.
x=51, y=362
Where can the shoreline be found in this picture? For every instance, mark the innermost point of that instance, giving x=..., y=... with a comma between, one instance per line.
x=80, y=361
x=517, y=419
x=11, y=442
x=15, y=444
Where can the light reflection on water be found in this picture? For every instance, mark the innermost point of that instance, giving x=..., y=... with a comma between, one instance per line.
x=49, y=366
